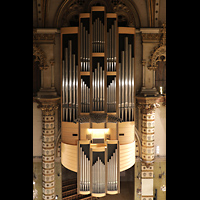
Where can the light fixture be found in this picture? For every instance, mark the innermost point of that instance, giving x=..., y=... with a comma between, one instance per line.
x=157, y=150
x=98, y=130
x=161, y=90
x=98, y=133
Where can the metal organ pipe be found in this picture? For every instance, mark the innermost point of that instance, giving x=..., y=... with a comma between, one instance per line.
x=126, y=83
x=98, y=88
x=85, y=48
x=84, y=171
x=111, y=47
x=85, y=97
x=98, y=36
x=70, y=84
x=111, y=96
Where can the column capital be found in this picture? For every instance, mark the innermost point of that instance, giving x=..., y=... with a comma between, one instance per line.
x=148, y=103
x=48, y=105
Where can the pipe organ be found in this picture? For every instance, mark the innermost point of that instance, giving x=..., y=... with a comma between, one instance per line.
x=97, y=101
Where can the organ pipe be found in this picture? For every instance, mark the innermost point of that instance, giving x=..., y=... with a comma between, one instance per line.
x=70, y=85
x=98, y=36
x=98, y=88
x=85, y=97
x=84, y=48
x=111, y=47
x=98, y=177
x=84, y=171
x=112, y=172
x=111, y=96
x=126, y=83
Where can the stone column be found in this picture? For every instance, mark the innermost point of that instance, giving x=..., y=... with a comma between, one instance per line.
x=48, y=108
x=147, y=106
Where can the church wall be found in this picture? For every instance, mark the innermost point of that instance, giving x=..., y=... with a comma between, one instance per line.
x=53, y=5
x=138, y=62
x=160, y=129
x=142, y=11
x=34, y=13
x=57, y=63
x=162, y=12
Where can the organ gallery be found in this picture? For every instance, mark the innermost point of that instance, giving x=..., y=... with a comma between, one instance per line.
x=99, y=80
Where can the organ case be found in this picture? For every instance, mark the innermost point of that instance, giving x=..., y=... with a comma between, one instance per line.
x=97, y=77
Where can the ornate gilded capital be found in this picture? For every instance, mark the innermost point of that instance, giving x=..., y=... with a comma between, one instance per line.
x=148, y=104
x=48, y=106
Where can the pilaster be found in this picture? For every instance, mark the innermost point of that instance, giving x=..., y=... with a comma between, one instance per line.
x=48, y=107
x=147, y=105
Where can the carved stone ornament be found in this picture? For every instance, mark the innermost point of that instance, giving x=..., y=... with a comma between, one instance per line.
x=48, y=109
x=148, y=104
x=159, y=52
x=43, y=38
x=39, y=55
x=69, y=10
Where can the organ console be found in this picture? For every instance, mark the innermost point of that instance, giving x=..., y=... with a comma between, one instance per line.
x=97, y=93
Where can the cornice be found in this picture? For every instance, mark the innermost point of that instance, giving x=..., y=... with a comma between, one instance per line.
x=44, y=35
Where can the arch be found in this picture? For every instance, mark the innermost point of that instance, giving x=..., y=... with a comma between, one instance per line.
x=125, y=8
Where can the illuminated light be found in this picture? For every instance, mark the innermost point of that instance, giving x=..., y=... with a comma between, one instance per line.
x=157, y=150
x=98, y=130
x=98, y=133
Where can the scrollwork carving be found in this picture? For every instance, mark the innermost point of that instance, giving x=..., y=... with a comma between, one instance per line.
x=159, y=52
x=39, y=55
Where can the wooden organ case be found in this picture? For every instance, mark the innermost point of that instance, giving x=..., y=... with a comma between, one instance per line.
x=97, y=101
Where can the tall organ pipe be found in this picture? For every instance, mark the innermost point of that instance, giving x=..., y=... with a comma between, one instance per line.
x=63, y=88
x=126, y=83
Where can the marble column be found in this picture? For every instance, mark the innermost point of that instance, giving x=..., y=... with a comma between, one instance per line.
x=48, y=108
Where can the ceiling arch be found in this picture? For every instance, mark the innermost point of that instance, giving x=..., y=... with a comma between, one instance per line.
x=69, y=10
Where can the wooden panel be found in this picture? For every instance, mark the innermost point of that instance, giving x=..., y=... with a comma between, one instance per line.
x=69, y=156
x=69, y=30
x=111, y=15
x=83, y=130
x=126, y=30
x=98, y=8
x=127, y=128
x=98, y=125
x=85, y=73
x=98, y=54
x=68, y=129
x=111, y=73
x=84, y=15
x=112, y=130
x=127, y=156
